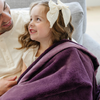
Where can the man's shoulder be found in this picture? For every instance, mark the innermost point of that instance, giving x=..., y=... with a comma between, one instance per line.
x=20, y=18
x=20, y=14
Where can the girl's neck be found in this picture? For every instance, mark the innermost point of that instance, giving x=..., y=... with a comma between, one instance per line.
x=42, y=48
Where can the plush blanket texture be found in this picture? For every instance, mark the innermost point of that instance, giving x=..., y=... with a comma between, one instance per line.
x=65, y=71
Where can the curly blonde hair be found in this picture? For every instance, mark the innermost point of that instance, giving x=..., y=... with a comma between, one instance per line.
x=59, y=31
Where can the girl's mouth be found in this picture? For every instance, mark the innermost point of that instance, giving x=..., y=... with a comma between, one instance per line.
x=32, y=31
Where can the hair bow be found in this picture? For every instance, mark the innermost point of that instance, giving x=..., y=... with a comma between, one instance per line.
x=53, y=13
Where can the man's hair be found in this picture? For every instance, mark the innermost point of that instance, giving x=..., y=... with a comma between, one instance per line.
x=58, y=31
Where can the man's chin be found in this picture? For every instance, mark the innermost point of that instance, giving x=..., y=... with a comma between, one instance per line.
x=8, y=29
x=11, y=26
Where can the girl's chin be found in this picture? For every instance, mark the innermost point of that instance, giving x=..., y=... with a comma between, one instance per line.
x=32, y=38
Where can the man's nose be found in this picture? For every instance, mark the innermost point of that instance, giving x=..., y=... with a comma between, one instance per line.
x=6, y=16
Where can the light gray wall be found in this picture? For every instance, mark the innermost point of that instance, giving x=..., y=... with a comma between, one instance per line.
x=92, y=3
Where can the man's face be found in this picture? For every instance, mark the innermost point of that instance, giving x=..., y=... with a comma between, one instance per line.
x=6, y=23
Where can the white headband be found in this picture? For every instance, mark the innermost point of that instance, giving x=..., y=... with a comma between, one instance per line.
x=53, y=13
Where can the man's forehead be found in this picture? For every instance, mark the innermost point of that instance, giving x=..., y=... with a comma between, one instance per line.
x=1, y=5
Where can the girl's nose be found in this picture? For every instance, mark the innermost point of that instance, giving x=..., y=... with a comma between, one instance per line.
x=31, y=23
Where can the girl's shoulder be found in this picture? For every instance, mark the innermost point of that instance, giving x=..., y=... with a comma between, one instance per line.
x=29, y=55
x=32, y=50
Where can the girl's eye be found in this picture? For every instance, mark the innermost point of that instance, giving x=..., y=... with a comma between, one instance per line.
x=38, y=19
x=30, y=19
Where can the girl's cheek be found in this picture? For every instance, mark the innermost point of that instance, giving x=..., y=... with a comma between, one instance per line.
x=28, y=27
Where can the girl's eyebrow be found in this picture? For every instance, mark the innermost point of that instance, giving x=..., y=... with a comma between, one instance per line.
x=38, y=16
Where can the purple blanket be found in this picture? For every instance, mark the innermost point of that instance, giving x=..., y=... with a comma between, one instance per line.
x=65, y=71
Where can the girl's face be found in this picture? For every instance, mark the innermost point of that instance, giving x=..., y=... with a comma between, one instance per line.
x=39, y=26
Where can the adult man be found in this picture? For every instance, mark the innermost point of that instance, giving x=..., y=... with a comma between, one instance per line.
x=11, y=26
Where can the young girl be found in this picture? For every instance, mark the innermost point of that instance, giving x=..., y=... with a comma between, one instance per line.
x=40, y=33
x=62, y=70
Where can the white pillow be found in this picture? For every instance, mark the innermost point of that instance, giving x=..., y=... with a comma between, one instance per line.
x=77, y=20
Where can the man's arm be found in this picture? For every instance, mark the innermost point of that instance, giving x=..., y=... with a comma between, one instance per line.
x=6, y=84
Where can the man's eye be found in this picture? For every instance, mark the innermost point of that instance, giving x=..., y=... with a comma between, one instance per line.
x=5, y=5
x=30, y=19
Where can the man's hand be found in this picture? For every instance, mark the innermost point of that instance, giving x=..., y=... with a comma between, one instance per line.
x=6, y=84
